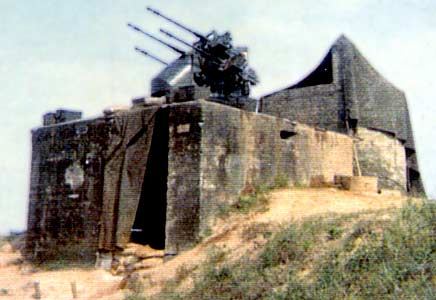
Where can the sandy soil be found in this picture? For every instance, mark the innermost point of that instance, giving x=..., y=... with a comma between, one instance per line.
x=286, y=205
x=17, y=280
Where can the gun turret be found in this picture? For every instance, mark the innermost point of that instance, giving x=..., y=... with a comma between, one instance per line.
x=214, y=64
x=199, y=35
x=151, y=56
x=156, y=39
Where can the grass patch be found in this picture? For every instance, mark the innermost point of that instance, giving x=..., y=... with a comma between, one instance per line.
x=206, y=232
x=252, y=279
x=64, y=264
x=253, y=230
x=280, y=182
x=182, y=273
x=256, y=201
x=335, y=232
x=216, y=255
x=377, y=259
x=134, y=296
x=290, y=244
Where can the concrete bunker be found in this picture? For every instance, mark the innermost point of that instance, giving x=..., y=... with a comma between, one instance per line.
x=155, y=174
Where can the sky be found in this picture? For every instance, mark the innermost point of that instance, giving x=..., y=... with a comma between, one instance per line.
x=79, y=55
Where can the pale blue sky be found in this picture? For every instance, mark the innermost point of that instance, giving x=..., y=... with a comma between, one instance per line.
x=78, y=54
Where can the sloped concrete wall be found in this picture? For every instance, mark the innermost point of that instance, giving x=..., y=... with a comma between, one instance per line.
x=383, y=156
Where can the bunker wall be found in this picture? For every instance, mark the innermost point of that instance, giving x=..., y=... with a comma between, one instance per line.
x=241, y=150
x=87, y=177
x=86, y=182
x=321, y=153
x=183, y=194
x=383, y=156
x=317, y=106
x=65, y=191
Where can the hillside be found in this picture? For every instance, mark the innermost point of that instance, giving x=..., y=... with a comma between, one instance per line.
x=283, y=244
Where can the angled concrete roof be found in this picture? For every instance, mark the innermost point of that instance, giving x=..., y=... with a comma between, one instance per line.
x=368, y=97
x=372, y=100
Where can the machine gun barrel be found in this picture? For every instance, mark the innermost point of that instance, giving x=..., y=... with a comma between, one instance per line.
x=199, y=35
x=202, y=52
x=156, y=39
x=150, y=55
x=178, y=39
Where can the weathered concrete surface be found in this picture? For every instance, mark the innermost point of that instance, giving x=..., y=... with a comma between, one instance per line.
x=65, y=190
x=183, y=195
x=346, y=92
x=242, y=150
x=91, y=180
x=383, y=156
x=216, y=152
x=317, y=106
x=323, y=153
x=85, y=185
x=361, y=184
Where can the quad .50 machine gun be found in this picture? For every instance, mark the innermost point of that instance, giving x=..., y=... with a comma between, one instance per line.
x=212, y=68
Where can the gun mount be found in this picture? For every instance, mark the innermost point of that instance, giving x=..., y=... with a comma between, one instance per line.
x=212, y=62
x=221, y=67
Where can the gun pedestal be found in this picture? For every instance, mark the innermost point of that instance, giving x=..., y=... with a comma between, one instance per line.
x=188, y=93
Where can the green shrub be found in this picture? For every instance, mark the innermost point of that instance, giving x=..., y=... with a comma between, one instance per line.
x=256, y=201
x=335, y=232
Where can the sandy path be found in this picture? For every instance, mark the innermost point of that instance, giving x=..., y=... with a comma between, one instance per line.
x=17, y=281
x=296, y=204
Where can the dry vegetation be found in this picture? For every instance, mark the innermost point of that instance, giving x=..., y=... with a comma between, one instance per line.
x=281, y=244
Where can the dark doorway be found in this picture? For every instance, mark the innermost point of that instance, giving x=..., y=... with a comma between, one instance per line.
x=414, y=185
x=149, y=225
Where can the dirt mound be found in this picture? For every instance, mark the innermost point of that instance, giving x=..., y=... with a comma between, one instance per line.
x=139, y=267
x=232, y=234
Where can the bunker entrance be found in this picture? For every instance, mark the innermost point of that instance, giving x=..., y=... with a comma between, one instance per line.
x=414, y=185
x=149, y=225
